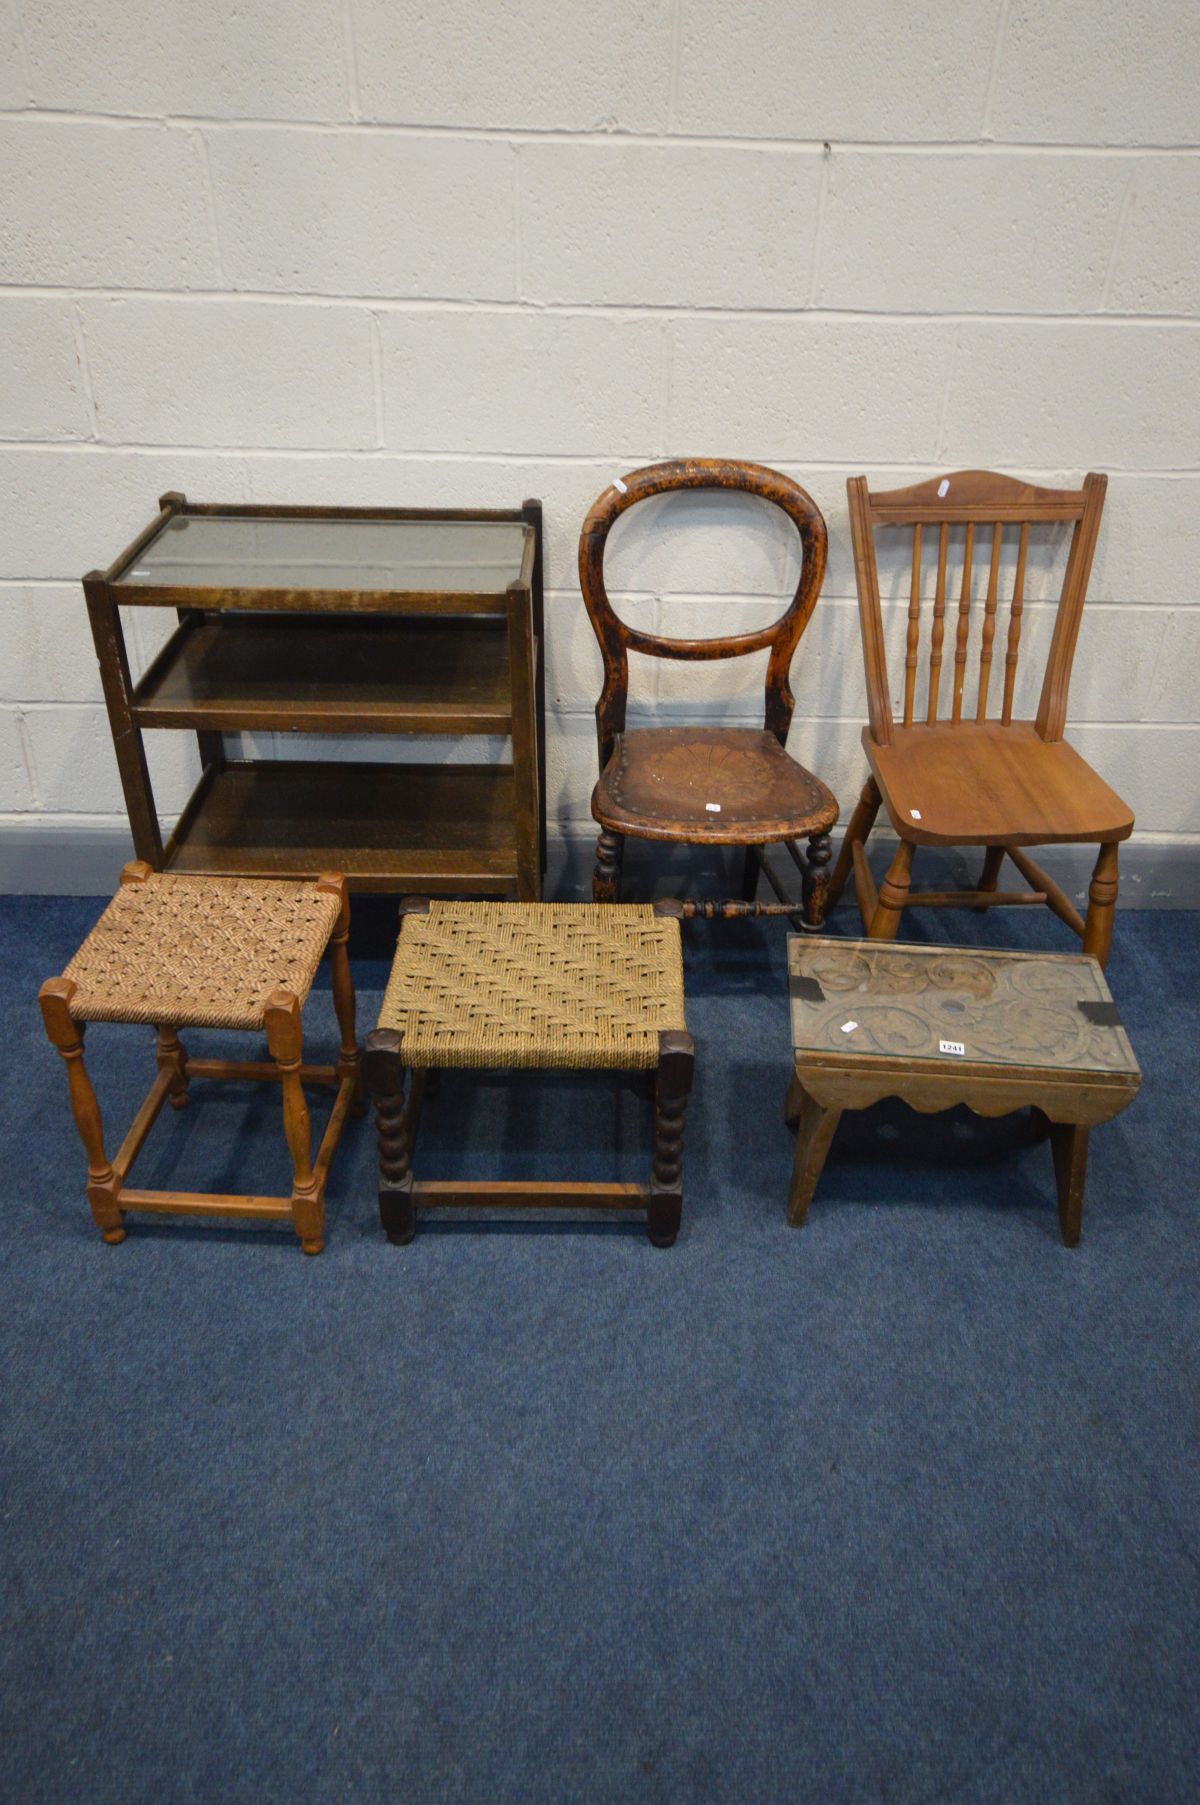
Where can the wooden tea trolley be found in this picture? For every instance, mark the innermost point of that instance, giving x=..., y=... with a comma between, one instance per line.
x=337, y=621
x=940, y=1025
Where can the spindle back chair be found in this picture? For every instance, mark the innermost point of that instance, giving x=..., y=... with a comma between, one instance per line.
x=724, y=786
x=949, y=773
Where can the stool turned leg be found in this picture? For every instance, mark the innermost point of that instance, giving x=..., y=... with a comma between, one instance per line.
x=1069, y=1145
x=861, y=823
x=751, y=867
x=1102, y=899
x=171, y=1057
x=103, y=1187
x=285, y=1038
x=893, y=894
x=383, y=1070
x=815, y=880
x=606, y=879
x=676, y=1063
x=343, y=989
x=816, y=1130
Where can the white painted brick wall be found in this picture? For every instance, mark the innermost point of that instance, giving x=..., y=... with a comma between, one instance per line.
x=675, y=226
x=104, y=205
x=540, y=64
x=224, y=59
x=365, y=214
x=871, y=70
x=566, y=385
x=41, y=384
x=1021, y=234
x=384, y=251
x=230, y=373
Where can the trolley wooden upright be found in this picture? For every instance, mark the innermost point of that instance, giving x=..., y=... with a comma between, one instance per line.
x=342, y=621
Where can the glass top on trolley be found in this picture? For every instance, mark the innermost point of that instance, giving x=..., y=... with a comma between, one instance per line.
x=231, y=551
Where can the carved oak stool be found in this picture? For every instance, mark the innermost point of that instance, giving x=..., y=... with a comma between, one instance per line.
x=940, y=1025
x=178, y=952
x=570, y=986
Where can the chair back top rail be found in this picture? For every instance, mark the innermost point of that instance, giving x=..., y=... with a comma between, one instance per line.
x=970, y=499
x=617, y=639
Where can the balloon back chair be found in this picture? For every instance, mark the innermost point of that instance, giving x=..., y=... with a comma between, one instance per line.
x=951, y=774
x=712, y=786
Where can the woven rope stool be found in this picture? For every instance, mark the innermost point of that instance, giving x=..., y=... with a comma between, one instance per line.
x=209, y=952
x=570, y=986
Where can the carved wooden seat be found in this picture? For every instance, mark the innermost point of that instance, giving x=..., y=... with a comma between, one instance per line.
x=661, y=779
x=950, y=774
x=175, y=951
x=544, y=985
x=722, y=786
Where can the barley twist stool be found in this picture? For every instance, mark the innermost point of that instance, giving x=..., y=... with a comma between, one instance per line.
x=210, y=952
x=570, y=986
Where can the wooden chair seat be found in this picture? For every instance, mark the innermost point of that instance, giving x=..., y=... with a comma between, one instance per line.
x=968, y=784
x=661, y=783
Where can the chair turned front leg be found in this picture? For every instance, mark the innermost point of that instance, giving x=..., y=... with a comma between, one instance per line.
x=1102, y=901
x=343, y=990
x=66, y=1035
x=815, y=881
x=893, y=894
x=171, y=1057
x=751, y=871
x=383, y=1072
x=606, y=879
x=676, y=1064
x=1069, y=1145
x=861, y=823
x=285, y=1038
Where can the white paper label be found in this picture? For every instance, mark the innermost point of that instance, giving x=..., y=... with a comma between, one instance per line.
x=849, y=1027
x=619, y=486
x=943, y=487
x=915, y=813
x=951, y=1046
x=714, y=808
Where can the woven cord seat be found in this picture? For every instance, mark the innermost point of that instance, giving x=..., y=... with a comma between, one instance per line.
x=561, y=985
x=535, y=984
x=201, y=952
x=208, y=952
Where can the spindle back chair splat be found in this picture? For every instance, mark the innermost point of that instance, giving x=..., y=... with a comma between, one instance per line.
x=724, y=786
x=949, y=773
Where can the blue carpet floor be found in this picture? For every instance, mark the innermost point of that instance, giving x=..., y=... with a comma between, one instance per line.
x=902, y=1507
